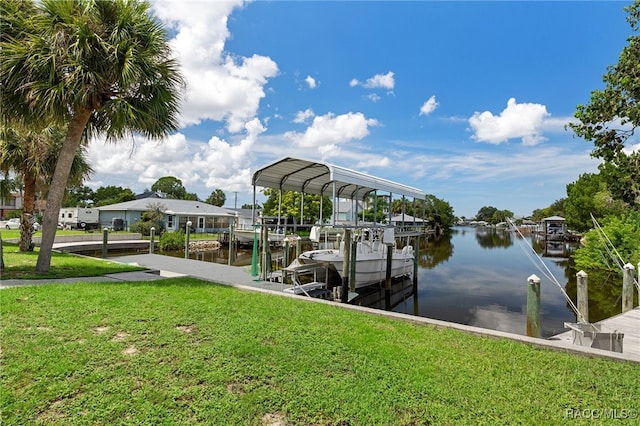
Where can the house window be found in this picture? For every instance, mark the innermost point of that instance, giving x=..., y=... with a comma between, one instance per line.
x=169, y=221
x=69, y=215
x=200, y=222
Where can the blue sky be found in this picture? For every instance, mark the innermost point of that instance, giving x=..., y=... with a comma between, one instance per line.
x=464, y=100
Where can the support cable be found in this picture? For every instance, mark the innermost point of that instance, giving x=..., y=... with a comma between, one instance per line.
x=537, y=261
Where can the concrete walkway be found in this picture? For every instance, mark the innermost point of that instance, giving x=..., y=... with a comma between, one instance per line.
x=119, y=277
x=209, y=271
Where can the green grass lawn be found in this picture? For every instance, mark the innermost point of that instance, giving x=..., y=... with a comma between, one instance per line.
x=183, y=351
x=21, y=265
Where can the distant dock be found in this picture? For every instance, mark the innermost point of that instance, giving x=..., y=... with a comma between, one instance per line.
x=91, y=246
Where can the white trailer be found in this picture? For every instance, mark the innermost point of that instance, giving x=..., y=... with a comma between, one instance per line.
x=79, y=218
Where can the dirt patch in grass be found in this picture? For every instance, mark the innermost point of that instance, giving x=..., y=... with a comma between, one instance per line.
x=119, y=337
x=187, y=328
x=274, y=419
x=131, y=350
x=236, y=388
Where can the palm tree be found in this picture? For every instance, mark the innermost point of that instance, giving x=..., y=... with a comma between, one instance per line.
x=100, y=67
x=32, y=156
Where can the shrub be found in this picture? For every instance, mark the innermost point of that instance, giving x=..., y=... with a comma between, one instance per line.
x=623, y=232
x=172, y=240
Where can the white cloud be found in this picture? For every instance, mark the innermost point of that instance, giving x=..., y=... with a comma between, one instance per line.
x=311, y=82
x=373, y=97
x=523, y=121
x=228, y=165
x=479, y=166
x=631, y=149
x=149, y=160
x=215, y=164
x=353, y=83
x=303, y=116
x=329, y=129
x=385, y=81
x=220, y=86
x=429, y=106
x=556, y=124
x=373, y=161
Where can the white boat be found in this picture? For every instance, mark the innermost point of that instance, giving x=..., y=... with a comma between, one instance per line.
x=371, y=258
x=245, y=236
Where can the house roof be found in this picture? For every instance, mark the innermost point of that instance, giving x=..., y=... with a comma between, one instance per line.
x=150, y=194
x=241, y=212
x=553, y=219
x=171, y=206
x=317, y=177
x=406, y=218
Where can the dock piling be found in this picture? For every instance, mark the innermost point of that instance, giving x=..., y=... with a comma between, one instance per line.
x=152, y=242
x=105, y=242
x=352, y=266
x=345, y=266
x=627, y=287
x=583, y=297
x=265, y=251
x=285, y=253
x=231, y=240
x=533, y=306
x=254, y=254
x=387, y=278
x=187, y=229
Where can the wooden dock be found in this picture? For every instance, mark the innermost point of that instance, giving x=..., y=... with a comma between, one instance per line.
x=90, y=246
x=627, y=323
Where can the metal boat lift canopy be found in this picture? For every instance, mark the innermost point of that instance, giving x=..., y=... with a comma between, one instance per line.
x=320, y=178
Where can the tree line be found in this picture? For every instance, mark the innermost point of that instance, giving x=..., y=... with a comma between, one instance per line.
x=168, y=186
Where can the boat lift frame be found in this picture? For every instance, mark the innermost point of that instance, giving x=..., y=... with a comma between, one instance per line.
x=321, y=178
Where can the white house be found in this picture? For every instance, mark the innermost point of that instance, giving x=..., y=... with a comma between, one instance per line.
x=204, y=217
x=13, y=202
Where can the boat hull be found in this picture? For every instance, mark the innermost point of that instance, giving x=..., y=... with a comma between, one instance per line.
x=370, y=267
x=244, y=236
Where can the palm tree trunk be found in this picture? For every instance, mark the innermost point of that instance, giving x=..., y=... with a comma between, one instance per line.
x=58, y=185
x=1, y=255
x=26, y=225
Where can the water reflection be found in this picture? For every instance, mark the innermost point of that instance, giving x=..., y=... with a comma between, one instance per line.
x=605, y=291
x=490, y=238
x=496, y=317
x=434, y=251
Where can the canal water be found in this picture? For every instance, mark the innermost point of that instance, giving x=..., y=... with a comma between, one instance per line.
x=478, y=277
